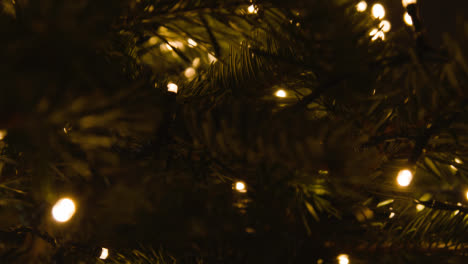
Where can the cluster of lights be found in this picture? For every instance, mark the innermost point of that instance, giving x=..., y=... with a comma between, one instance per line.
x=252, y=9
x=343, y=259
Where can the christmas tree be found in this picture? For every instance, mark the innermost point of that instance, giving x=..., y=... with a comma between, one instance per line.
x=187, y=131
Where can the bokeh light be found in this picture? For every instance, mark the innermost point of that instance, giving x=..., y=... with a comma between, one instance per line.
x=252, y=9
x=281, y=93
x=459, y=161
x=192, y=43
x=63, y=210
x=3, y=133
x=172, y=87
x=385, y=26
x=408, y=20
x=378, y=11
x=104, y=253
x=343, y=259
x=405, y=3
x=189, y=72
x=404, y=178
x=420, y=207
x=240, y=187
x=361, y=6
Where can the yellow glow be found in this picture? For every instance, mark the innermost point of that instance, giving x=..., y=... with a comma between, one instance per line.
x=172, y=87
x=404, y=177
x=189, y=72
x=378, y=11
x=3, y=133
x=361, y=6
x=408, y=2
x=408, y=20
x=456, y=212
x=385, y=26
x=63, y=210
x=153, y=40
x=343, y=259
x=192, y=43
x=252, y=9
x=196, y=62
x=280, y=93
x=104, y=253
x=392, y=214
x=420, y=207
x=459, y=161
x=211, y=58
x=453, y=168
x=467, y=195
x=240, y=187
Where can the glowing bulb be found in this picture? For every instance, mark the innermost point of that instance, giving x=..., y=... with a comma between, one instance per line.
x=459, y=161
x=343, y=259
x=63, y=210
x=104, y=253
x=3, y=133
x=280, y=93
x=152, y=40
x=252, y=9
x=378, y=11
x=377, y=34
x=240, y=187
x=408, y=20
x=392, y=214
x=172, y=87
x=420, y=207
x=405, y=3
x=467, y=195
x=385, y=26
x=453, y=168
x=361, y=6
x=189, y=72
x=404, y=178
x=192, y=43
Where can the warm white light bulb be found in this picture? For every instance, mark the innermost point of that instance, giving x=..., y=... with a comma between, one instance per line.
x=189, y=72
x=405, y=3
x=361, y=6
x=404, y=177
x=385, y=26
x=420, y=207
x=408, y=20
x=172, y=87
x=376, y=34
x=280, y=93
x=3, y=133
x=392, y=214
x=467, y=195
x=343, y=259
x=378, y=11
x=63, y=210
x=153, y=40
x=192, y=43
x=211, y=58
x=240, y=186
x=104, y=253
x=252, y=9
x=459, y=161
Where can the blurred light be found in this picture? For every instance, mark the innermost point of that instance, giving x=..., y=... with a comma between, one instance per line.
x=196, y=62
x=172, y=87
x=456, y=212
x=404, y=177
x=467, y=195
x=392, y=214
x=298, y=24
x=104, y=253
x=453, y=168
x=459, y=161
x=63, y=210
x=171, y=44
x=151, y=8
x=192, y=43
x=280, y=93
x=65, y=130
x=378, y=11
x=320, y=261
x=361, y=6
x=3, y=133
x=252, y=9
x=420, y=207
x=385, y=26
x=211, y=58
x=405, y=3
x=189, y=72
x=240, y=187
x=343, y=259
x=153, y=40
x=376, y=33
x=408, y=20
